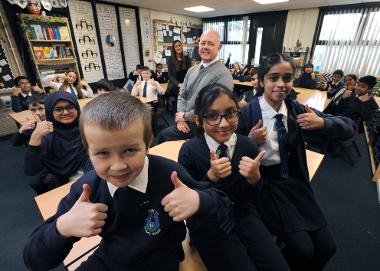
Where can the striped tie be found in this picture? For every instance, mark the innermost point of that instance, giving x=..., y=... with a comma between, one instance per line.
x=282, y=137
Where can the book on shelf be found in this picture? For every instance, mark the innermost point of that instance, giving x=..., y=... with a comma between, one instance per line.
x=38, y=31
x=63, y=33
x=38, y=52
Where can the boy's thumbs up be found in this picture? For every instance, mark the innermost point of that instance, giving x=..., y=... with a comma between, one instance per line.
x=177, y=182
x=258, y=125
x=308, y=110
x=85, y=196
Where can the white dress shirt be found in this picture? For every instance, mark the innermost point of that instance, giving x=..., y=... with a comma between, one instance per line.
x=140, y=183
x=151, y=90
x=272, y=153
x=230, y=143
x=48, y=81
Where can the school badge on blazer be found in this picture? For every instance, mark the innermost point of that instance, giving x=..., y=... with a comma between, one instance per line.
x=152, y=223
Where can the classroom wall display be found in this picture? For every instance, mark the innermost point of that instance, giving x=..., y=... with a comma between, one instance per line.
x=165, y=32
x=83, y=22
x=129, y=37
x=6, y=74
x=108, y=28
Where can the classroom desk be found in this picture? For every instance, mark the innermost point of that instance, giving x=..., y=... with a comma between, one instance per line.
x=21, y=117
x=164, y=86
x=313, y=98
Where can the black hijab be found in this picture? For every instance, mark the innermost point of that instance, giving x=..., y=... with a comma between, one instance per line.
x=63, y=150
x=305, y=80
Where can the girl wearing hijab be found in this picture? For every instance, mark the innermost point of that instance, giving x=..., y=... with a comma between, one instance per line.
x=56, y=145
x=307, y=78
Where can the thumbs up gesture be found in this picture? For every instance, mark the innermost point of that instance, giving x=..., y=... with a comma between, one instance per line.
x=220, y=168
x=258, y=133
x=37, y=89
x=249, y=168
x=28, y=124
x=242, y=102
x=84, y=219
x=182, y=202
x=310, y=120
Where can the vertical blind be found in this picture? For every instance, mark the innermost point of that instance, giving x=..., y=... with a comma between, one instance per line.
x=234, y=32
x=349, y=39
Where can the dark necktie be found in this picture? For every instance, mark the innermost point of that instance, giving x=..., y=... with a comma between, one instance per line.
x=144, y=90
x=201, y=67
x=282, y=137
x=228, y=225
x=221, y=151
x=72, y=91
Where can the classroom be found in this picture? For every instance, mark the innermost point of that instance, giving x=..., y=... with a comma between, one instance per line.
x=240, y=135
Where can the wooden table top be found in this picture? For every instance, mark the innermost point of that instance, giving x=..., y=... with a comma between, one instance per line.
x=313, y=97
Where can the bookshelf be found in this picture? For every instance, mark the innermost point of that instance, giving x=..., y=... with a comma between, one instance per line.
x=50, y=43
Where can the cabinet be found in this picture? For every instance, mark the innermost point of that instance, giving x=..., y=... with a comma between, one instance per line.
x=50, y=44
x=299, y=58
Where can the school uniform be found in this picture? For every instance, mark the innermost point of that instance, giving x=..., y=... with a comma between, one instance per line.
x=20, y=102
x=286, y=204
x=242, y=242
x=61, y=152
x=138, y=234
x=47, y=81
x=335, y=88
x=23, y=138
x=160, y=77
x=306, y=81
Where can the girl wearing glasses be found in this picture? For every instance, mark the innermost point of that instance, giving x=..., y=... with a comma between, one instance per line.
x=69, y=82
x=286, y=204
x=56, y=145
x=231, y=162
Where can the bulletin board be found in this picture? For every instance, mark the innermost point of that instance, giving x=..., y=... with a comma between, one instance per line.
x=165, y=32
x=6, y=74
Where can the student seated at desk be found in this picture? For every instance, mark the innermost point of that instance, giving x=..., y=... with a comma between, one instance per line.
x=241, y=242
x=333, y=86
x=149, y=88
x=56, y=145
x=307, y=78
x=159, y=75
x=22, y=91
x=135, y=201
x=136, y=73
x=69, y=82
x=286, y=203
x=104, y=86
x=356, y=102
x=36, y=105
x=249, y=94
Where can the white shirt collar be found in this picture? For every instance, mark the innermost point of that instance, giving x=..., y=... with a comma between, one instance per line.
x=268, y=110
x=140, y=183
x=25, y=95
x=209, y=63
x=230, y=143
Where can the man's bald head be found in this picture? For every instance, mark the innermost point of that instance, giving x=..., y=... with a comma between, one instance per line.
x=209, y=45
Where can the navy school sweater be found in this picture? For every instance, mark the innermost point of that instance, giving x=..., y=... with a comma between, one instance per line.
x=127, y=241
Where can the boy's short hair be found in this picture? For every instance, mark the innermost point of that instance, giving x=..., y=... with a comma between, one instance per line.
x=159, y=65
x=370, y=80
x=105, y=84
x=36, y=99
x=19, y=78
x=339, y=72
x=114, y=111
x=139, y=67
x=145, y=68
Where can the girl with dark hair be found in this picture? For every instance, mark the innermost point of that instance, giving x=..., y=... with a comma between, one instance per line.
x=231, y=162
x=56, y=144
x=178, y=65
x=286, y=203
x=307, y=78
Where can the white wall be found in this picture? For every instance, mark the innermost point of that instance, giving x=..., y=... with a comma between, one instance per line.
x=300, y=25
x=146, y=24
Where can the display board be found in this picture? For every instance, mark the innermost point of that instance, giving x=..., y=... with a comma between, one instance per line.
x=83, y=22
x=129, y=35
x=165, y=33
x=108, y=28
x=6, y=74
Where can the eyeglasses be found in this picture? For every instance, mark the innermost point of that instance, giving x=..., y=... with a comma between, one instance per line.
x=91, y=66
x=213, y=118
x=59, y=110
x=84, y=24
x=86, y=38
x=86, y=54
x=286, y=78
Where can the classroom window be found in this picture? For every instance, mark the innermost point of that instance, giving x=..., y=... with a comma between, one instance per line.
x=234, y=34
x=349, y=40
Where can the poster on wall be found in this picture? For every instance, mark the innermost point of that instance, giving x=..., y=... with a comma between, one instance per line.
x=130, y=37
x=83, y=22
x=6, y=75
x=110, y=41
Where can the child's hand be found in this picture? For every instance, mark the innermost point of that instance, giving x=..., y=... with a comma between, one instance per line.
x=37, y=89
x=364, y=98
x=313, y=75
x=154, y=83
x=84, y=219
x=16, y=91
x=249, y=168
x=182, y=202
x=310, y=120
x=138, y=82
x=347, y=94
x=242, y=102
x=259, y=133
x=27, y=125
x=43, y=128
x=220, y=168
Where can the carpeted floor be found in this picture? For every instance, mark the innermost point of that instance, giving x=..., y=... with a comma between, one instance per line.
x=346, y=195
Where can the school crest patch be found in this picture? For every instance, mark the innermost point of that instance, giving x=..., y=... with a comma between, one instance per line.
x=152, y=223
